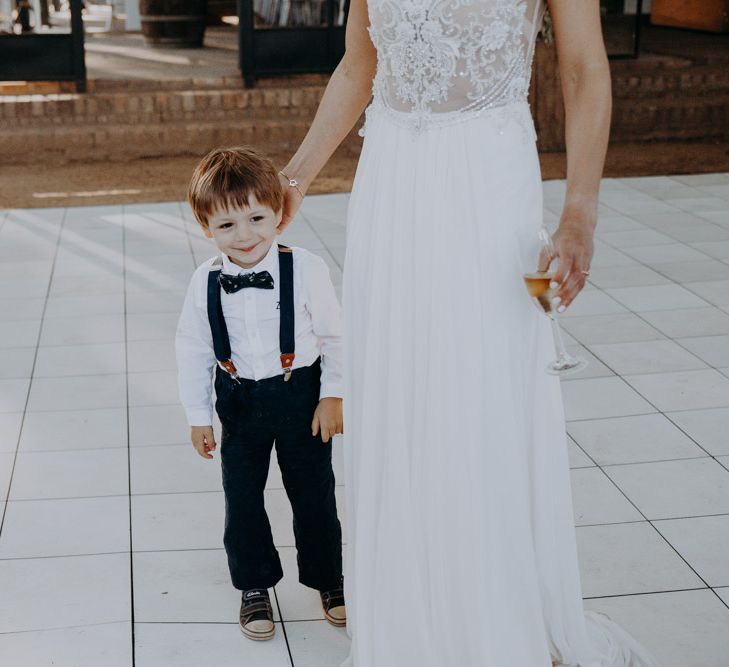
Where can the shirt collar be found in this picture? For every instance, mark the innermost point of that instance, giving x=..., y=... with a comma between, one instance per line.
x=268, y=263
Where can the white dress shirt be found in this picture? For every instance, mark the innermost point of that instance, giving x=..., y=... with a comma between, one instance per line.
x=252, y=317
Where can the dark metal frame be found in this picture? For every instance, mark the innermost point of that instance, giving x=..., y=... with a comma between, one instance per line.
x=296, y=50
x=46, y=57
x=636, y=35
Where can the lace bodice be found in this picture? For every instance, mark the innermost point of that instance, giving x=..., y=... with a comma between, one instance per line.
x=440, y=61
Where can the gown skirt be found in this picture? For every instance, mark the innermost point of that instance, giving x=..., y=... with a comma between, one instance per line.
x=461, y=543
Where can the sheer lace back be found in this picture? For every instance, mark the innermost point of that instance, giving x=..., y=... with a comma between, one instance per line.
x=440, y=61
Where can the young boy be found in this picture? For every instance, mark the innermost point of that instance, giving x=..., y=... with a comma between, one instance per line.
x=269, y=316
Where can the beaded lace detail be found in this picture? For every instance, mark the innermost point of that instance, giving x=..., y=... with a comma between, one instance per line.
x=440, y=61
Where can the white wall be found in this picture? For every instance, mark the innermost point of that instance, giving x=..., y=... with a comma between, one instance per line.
x=6, y=17
x=131, y=9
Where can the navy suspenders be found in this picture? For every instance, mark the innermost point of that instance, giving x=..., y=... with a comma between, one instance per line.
x=287, y=338
x=286, y=335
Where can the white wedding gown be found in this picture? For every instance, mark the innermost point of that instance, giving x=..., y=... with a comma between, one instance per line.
x=461, y=546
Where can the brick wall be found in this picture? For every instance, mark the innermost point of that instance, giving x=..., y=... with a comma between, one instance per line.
x=654, y=99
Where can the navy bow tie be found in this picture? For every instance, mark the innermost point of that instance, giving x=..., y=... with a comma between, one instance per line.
x=231, y=284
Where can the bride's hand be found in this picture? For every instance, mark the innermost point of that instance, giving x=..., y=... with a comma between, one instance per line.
x=573, y=245
x=293, y=196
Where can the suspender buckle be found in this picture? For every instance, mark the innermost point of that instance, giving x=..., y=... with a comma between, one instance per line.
x=229, y=367
x=287, y=361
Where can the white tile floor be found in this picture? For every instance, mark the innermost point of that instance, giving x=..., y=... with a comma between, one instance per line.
x=110, y=551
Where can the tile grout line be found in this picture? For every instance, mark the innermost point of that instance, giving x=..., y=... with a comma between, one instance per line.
x=625, y=382
x=104, y=447
x=129, y=471
x=650, y=522
x=30, y=382
x=171, y=405
x=283, y=627
x=180, y=550
x=123, y=293
x=651, y=268
x=568, y=437
x=62, y=627
x=169, y=338
x=129, y=449
x=686, y=458
x=145, y=494
x=721, y=599
x=61, y=556
x=645, y=398
x=658, y=411
x=670, y=518
x=578, y=527
x=628, y=595
x=654, y=527
x=673, y=340
x=233, y=623
x=724, y=465
x=567, y=318
x=635, y=414
x=693, y=354
x=183, y=444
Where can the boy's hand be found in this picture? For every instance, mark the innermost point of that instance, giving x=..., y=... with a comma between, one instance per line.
x=328, y=418
x=203, y=440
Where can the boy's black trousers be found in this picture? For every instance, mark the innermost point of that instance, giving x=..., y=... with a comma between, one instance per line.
x=254, y=416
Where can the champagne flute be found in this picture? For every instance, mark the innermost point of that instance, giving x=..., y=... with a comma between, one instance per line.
x=538, y=285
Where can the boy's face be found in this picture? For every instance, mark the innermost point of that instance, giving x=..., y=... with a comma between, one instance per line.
x=244, y=234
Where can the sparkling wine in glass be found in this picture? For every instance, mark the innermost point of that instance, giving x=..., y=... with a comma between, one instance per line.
x=538, y=285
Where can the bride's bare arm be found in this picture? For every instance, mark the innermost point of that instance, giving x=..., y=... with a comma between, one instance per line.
x=347, y=94
x=585, y=75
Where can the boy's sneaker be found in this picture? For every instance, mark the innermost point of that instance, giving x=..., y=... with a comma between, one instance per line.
x=256, y=614
x=332, y=602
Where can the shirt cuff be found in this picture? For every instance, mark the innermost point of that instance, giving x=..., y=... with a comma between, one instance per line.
x=330, y=390
x=199, y=416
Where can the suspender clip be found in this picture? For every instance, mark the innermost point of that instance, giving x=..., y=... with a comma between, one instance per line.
x=229, y=367
x=287, y=361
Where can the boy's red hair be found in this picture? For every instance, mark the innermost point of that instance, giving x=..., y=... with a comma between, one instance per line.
x=227, y=177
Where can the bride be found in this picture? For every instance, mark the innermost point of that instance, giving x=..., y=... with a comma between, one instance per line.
x=461, y=546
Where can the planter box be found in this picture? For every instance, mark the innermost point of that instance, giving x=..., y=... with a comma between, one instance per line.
x=710, y=15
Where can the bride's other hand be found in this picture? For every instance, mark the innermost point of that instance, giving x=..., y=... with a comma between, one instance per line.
x=573, y=245
x=585, y=75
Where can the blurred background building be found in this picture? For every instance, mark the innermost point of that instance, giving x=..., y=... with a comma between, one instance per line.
x=166, y=80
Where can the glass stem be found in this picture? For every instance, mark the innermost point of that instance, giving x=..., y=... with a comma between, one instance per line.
x=557, y=332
